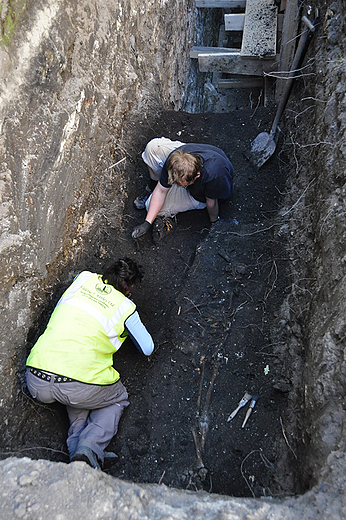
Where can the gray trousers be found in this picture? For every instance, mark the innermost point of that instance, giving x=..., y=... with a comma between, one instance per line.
x=94, y=411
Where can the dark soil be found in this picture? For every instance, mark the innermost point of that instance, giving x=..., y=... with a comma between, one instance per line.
x=211, y=298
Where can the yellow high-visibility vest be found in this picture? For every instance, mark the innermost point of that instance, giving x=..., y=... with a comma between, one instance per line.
x=84, y=331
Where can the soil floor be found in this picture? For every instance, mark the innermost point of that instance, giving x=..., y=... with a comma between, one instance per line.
x=211, y=298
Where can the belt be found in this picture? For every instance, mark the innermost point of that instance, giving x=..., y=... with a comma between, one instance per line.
x=47, y=377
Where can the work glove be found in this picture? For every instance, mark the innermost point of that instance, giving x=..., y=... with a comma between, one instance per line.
x=141, y=230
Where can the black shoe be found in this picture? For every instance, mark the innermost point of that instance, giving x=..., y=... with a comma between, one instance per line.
x=110, y=455
x=139, y=202
x=85, y=454
x=110, y=459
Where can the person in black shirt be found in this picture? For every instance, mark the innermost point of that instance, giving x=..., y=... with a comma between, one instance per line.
x=194, y=176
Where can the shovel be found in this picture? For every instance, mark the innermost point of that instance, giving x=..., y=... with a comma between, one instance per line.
x=263, y=146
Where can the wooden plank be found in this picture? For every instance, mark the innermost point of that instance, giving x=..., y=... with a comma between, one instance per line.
x=288, y=42
x=240, y=81
x=234, y=63
x=235, y=22
x=195, y=51
x=268, y=91
x=232, y=4
x=260, y=28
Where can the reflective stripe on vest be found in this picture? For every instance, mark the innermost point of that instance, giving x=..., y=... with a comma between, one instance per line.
x=107, y=324
x=77, y=284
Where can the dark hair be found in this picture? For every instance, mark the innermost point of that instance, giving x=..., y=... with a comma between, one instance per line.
x=183, y=166
x=122, y=274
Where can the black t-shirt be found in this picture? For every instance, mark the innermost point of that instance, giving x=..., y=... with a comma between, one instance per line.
x=216, y=179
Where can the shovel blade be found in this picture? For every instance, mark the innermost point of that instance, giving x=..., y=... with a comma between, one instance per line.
x=261, y=149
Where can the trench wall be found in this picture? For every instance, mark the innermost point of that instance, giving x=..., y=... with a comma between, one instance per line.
x=81, y=82
x=315, y=149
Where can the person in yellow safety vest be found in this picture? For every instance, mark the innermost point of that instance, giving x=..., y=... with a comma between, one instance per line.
x=72, y=361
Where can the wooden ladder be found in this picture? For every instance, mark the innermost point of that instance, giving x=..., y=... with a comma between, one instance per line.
x=257, y=55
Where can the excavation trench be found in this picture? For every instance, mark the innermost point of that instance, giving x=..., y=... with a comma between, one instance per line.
x=211, y=298
x=253, y=304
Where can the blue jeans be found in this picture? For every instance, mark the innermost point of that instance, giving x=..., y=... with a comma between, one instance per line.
x=94, y=411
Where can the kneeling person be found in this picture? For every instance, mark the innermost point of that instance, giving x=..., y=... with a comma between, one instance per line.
x=72, y=361
x=194, y=176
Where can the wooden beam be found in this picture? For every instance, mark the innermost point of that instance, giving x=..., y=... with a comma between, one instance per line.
x=288, y=42
x=240, y=81
x=234, y=63
x=235, y=22
x=196, y=51
x=260, y=28
x=232, y=4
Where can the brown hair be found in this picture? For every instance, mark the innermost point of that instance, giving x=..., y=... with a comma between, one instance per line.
x=183, y=166
x=122, y=274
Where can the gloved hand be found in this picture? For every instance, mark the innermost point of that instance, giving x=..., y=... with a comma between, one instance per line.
x=141, y=229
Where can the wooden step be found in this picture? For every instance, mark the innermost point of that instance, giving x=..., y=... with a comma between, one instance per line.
x=240, y=81
x=260, y=29
x=235, y=22
x=235, y=63
x=232, y=4
x=195, y=51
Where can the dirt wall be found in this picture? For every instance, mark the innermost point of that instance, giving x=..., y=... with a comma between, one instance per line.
x=81, y=83
x=314, y=148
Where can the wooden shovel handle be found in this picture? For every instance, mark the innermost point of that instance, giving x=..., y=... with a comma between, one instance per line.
x=298, y=58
